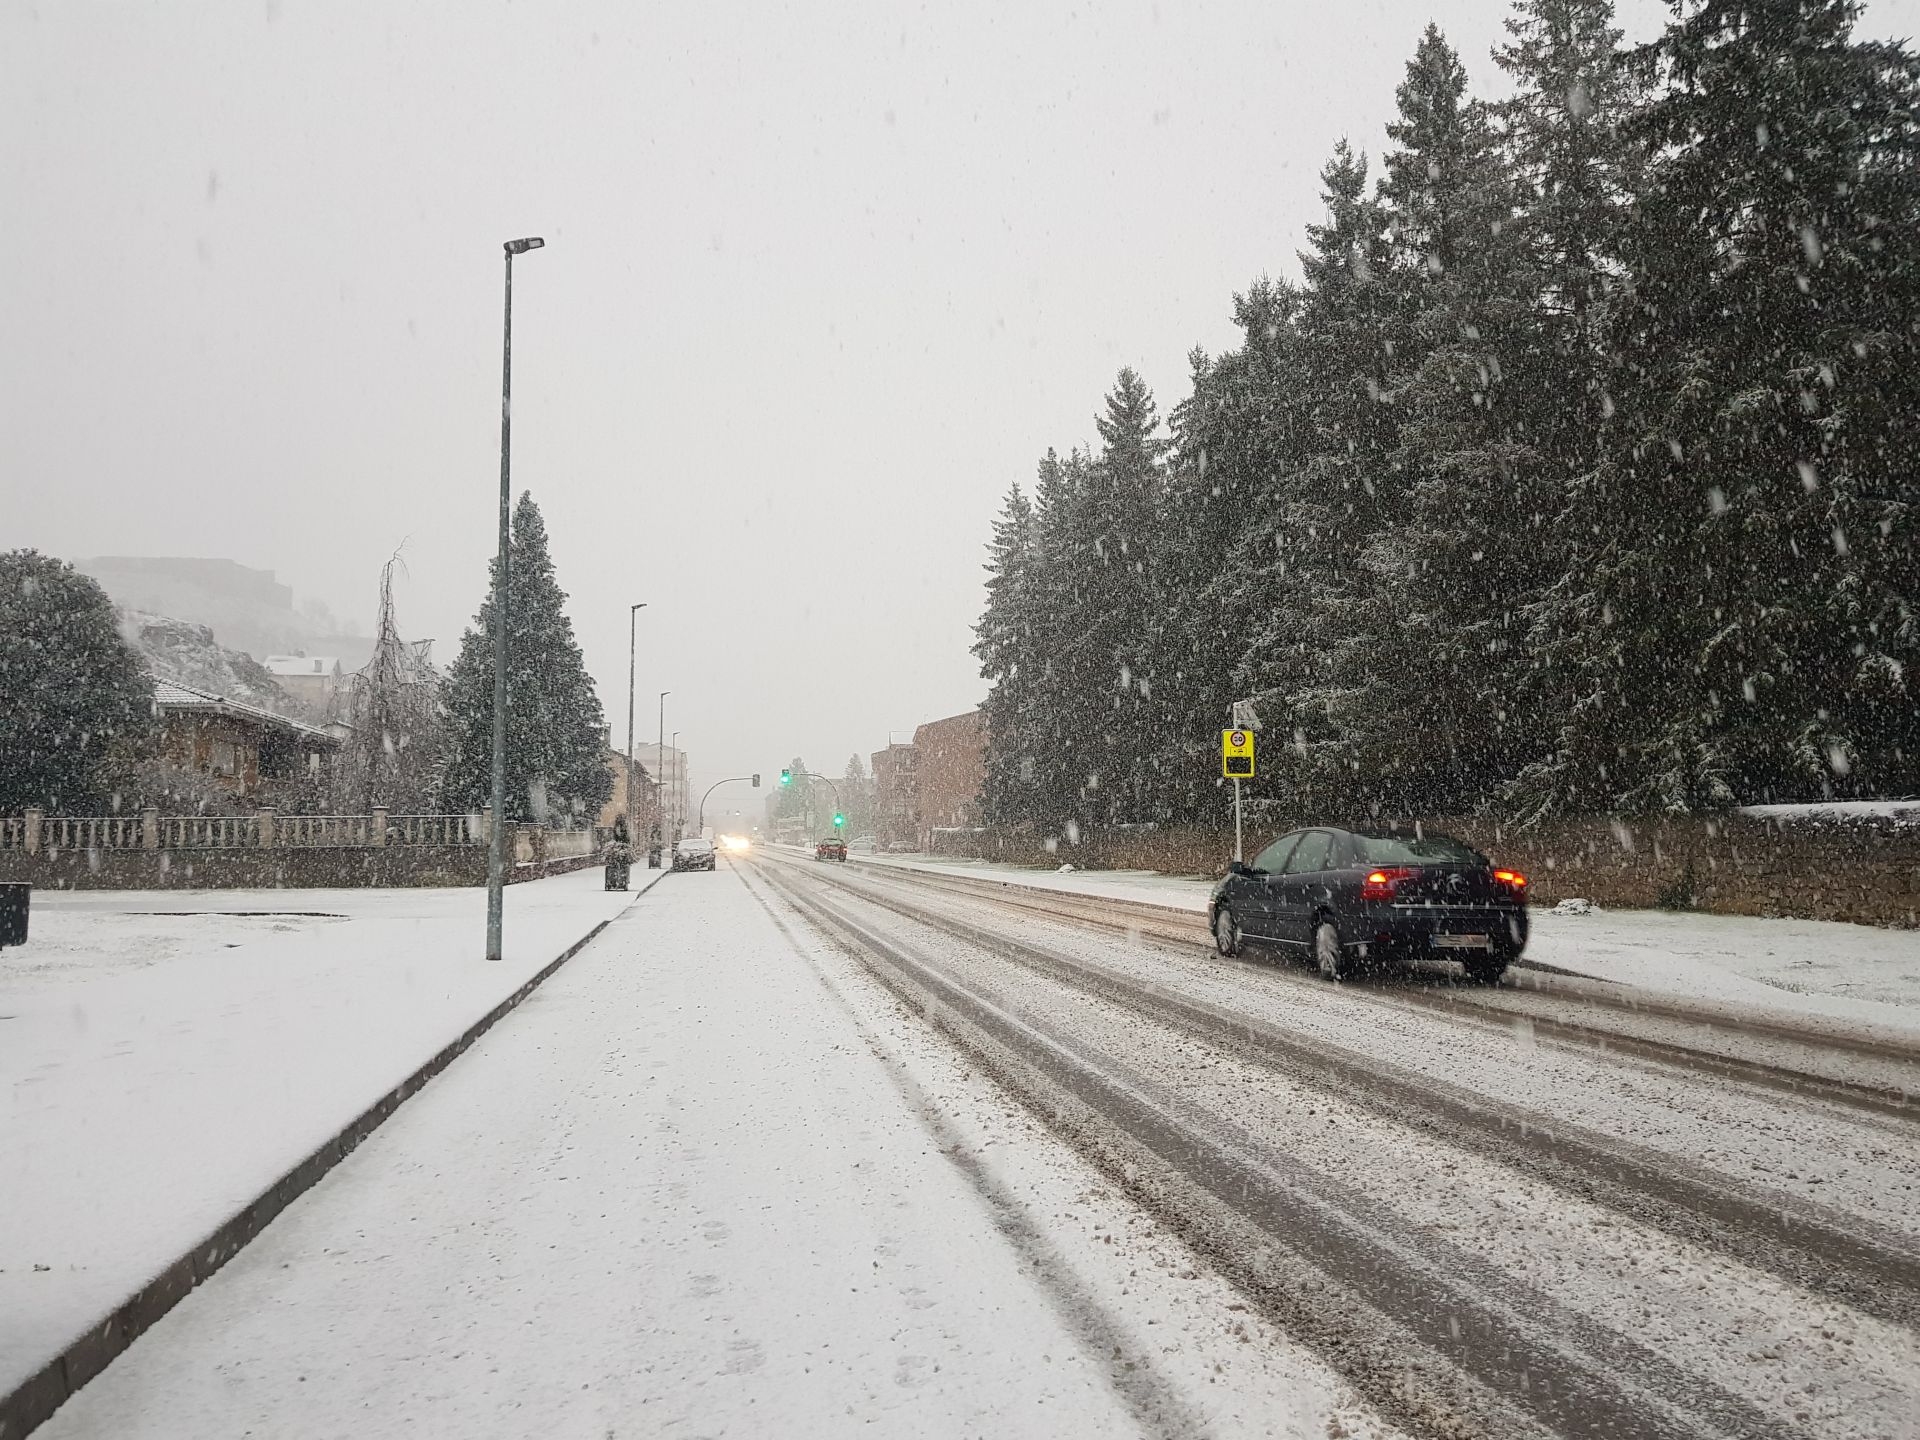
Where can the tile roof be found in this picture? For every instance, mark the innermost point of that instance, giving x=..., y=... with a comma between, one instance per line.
x=172, y=695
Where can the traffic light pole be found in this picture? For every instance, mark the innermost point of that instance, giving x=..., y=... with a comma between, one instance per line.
x=700, y=825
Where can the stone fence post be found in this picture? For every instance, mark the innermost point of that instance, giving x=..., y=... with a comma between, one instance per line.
x=486, y=824
x=266, y=829
x=379, y=836
x=34, y=818
x=150, y=828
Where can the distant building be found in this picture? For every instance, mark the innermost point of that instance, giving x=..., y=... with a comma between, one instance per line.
x=669, y=768
x=314, y=680
x=240, y=748
x=616, y=805
x=950, y=765
x=896, y=798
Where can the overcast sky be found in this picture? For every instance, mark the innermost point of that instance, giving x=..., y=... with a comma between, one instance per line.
x=821, y=281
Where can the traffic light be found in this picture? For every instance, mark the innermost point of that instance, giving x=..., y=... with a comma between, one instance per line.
x=756, y=779
x=838, y=821
x=786, y=777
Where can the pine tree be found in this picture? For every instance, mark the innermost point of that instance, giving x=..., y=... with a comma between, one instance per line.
x=1579, y=175
x=1008, y=642
x=1764, y=583
x=556, y=767
x=75, y=705
x=1121, y=608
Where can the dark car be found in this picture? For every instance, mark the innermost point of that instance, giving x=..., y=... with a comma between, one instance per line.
x=1355, y=899
x=830, y=849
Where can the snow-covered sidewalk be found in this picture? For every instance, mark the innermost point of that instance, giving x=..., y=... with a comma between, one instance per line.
x=1817, y=967
x=166, y=1056
x=708, y=1180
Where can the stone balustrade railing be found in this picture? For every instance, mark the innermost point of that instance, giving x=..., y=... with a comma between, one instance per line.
x=37, y=832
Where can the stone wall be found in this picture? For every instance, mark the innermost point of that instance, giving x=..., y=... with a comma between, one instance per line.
x=1859, y=869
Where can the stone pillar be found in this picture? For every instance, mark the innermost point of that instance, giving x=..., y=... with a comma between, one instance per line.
x=266, y=829
x=486, y=825
x=379, y=836
x=34, y=818
x=150, y=828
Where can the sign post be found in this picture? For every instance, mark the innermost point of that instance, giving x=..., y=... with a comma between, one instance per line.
x=1236, y=763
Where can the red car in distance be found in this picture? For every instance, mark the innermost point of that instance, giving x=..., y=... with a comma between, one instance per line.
x=831, y=848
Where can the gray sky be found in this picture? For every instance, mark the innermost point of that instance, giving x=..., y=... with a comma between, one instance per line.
x=822, y=280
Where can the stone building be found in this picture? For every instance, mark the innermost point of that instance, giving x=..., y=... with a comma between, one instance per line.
x=238, y=748
x=949, y=766
x=896, y=798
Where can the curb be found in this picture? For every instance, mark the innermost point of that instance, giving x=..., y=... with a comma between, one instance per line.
x=33, y=1402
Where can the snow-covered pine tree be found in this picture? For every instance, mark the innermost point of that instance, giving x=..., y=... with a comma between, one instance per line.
x=1202, y=632
x=1123, y=616
x=556, y=765
x=1776, y=289
x=1563, y=133
x=1007, y=641
x=1071, y=709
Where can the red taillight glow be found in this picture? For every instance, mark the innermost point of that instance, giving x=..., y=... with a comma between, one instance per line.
x=1511, y=877
x=1380, y=884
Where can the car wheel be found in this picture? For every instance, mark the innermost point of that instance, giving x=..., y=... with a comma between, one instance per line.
x=1332, y=956
x=1226, y=932
x=1486, y=972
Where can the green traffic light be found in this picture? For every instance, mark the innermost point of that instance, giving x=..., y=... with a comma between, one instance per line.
x=839, y=820
x=786, y=777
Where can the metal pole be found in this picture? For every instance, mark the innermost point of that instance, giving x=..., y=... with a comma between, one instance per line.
x=659, y=772
x=673, y=748
x=496, y=848
x=1236, y=820
x=633, y=618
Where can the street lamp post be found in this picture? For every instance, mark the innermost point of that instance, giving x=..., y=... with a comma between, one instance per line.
x=633, y=821
x=673, y=748
x=659, y=763
x=496, y=842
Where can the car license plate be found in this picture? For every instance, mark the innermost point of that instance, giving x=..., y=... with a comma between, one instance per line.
x=1462, y=942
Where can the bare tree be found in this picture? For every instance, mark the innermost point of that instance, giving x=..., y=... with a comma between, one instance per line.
x=395, y=744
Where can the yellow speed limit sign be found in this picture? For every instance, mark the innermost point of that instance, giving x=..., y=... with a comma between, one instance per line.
x=1236, y=754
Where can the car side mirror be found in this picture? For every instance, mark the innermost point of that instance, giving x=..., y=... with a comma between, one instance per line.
x=1240, y=867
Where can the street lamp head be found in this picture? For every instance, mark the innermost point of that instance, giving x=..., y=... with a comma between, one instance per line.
x=641, y=606
x=520, y=247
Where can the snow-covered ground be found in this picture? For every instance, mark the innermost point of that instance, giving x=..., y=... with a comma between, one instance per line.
x=1907, y=812
x=167, y=1055
x=1819, y=967
x=711, y=1180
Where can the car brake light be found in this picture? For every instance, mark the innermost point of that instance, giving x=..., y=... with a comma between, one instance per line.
x=1380, y=884
x=1511, y=877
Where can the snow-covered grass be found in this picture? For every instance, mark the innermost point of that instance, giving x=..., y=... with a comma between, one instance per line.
x=167, y=1055
x=1906, y=812
x=1819, y=967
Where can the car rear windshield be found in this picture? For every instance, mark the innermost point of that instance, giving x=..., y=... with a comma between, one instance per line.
x=1415, y=850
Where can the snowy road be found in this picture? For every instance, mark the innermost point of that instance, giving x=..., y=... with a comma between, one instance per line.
x=1487, y=1223
x=795, y=1149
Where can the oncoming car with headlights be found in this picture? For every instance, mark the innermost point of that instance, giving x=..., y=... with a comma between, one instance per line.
x=1359, y=899
x=693, y=853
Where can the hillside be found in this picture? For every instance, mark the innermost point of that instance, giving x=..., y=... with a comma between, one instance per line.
x=188, y=653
